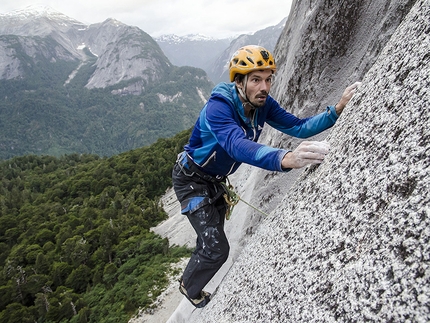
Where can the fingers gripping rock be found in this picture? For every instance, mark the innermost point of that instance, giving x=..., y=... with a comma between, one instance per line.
x=308, y=152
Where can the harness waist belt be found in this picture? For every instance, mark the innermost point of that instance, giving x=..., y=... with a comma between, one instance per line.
x=185, y=161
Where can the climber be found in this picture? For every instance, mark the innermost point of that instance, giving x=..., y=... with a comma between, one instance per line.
x=224, y=136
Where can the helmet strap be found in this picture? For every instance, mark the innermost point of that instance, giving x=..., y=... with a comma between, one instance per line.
x=241, y=91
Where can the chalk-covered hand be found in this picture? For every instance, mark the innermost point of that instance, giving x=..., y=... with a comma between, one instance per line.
x=308, y=152
x=346, y=96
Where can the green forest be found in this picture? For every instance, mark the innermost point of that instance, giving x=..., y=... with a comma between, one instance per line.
x=75, y=239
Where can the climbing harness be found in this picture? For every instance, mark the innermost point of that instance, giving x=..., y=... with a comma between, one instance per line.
x=232, y=198
x=188, y=168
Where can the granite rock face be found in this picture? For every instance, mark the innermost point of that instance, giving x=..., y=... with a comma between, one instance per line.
x=346, y=241
x=312, y=73
x=328, y=44
x=349, y=241
x=121, y=52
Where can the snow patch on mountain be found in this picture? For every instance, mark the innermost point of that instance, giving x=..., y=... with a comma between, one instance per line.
x=37, y=11
x=175, y=39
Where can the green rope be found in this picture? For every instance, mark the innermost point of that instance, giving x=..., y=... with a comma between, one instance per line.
x=232, y=198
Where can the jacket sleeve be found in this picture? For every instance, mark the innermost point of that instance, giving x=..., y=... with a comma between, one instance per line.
x=289, y=124
x=221, y=122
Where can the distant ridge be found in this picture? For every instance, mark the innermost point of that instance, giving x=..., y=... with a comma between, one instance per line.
x=212, y=54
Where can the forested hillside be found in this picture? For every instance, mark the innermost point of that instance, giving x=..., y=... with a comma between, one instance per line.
x=42, y=114
x=75, y=244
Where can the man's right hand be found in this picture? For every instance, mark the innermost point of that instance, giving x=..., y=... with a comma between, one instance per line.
x=308, y=152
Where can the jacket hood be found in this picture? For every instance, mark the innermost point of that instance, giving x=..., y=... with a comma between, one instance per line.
x=228, y=91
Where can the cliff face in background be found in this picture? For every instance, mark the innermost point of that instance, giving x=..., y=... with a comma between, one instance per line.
x=349, y=241
x=121, y=52
x=328, y=44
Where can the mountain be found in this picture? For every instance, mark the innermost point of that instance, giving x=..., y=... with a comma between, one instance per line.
x=192, y=50
x=103, y=88
x=211, y=54
x=113, y=43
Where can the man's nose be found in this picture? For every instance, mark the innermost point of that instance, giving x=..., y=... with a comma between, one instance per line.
x=265, y=86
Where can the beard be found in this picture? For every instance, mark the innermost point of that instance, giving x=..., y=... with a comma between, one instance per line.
x=259, y=100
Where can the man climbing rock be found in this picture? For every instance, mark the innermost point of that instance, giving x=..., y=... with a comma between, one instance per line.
x=224, y=136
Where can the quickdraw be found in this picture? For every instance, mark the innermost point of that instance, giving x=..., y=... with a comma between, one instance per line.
x=232, y=198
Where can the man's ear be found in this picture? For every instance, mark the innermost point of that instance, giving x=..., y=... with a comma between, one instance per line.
x=239, y=84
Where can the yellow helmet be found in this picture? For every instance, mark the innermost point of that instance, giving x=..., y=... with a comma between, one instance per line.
x=251, y=58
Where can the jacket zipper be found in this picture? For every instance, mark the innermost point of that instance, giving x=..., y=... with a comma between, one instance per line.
x=213, y=156
x=253, y=125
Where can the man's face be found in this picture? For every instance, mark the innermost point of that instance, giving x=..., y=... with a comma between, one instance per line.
x=258, y=87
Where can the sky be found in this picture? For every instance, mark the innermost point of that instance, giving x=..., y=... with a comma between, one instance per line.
x=218, y=19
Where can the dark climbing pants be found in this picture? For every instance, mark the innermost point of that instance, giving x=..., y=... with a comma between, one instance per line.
x=205, y=208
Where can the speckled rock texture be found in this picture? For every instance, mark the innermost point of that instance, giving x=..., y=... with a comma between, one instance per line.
x=350, y=240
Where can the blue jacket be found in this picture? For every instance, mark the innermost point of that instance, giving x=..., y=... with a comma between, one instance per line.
x=223, y=137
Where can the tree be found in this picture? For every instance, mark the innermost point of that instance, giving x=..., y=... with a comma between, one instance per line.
x=62, y=256
x=60, y=272
x=108, y=239
x=31, y=253
x=16, y=313
x=6, y=293
x=44, y=236
x=109, y=274
x=79, y=278
x=76, y=250
x=42, y=264
x=7, y=221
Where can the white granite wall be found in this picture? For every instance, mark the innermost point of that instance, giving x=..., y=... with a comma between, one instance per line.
x=350, y=241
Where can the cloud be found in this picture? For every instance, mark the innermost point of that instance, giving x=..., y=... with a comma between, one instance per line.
x=221, y=18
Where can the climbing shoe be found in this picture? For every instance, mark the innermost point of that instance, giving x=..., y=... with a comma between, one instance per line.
x=200, y=302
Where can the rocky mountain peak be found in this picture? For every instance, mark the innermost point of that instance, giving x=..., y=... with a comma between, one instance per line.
x=113, y=43
x=113, y=22
x=175, y=39
x=36, y=20
x=35, y=11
